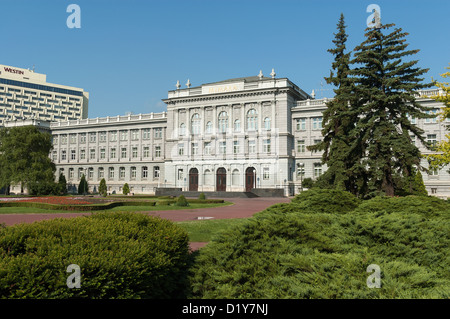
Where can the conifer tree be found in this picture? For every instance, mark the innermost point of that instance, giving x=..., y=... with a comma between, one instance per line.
x=339, y=118
x=386, y=86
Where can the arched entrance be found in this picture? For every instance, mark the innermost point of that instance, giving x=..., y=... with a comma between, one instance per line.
x=250, y=178
x=193, y=180
x=221, y=180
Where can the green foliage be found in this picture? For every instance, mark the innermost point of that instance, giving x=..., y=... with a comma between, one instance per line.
x=202, y=196
x=419, y=186
x=126, y=189
x=308, y=182
x=24, y=157
x=292, y=251
x=62, y=185
x=181, y=201
x=121, y=255
x=102, y=189
x=86, y=207
x=83, y=187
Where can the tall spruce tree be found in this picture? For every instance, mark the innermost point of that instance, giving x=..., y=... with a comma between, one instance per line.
x=386, y=89
x=339, y=118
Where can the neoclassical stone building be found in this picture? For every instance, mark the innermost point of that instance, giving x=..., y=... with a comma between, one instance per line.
x=233, y=135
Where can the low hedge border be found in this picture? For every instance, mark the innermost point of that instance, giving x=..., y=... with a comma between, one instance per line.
x=191, y=201
x=89, y=207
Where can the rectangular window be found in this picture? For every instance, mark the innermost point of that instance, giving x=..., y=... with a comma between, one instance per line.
x=301, y=147
x=251, y=146
x=71, y=173
x=111, y=173
x=433, y=119
x=102, y=153
x=223, y=147
x=90, y=173
x=64, y=139
x=144, y=172
x=92, y=154
x=158, y=132
x=156, y=171
x=133, y=173
x=207, y=148
x=73, y=155
x=82, y=154
x=92, y=137
x=134, y=152
x=301, y=124
x=194, y=147
x=123, y=135
x=180, y=149
x=113, y=136
x=235, y=147
x=112, y=153
x=54, y=156
x=55, y=139
x=63, y=155
x=101, y=173
x=135, y=135
x=266, y=173
x=102, y=137
x=73, y=138
x=317, y=169
x=157, y=151
x=146, y=134
x=122, y=172
x=431, y=140
x=266, y=146
x=317, y=123
x=180, y=174
x=146, y=152
x=123, y=153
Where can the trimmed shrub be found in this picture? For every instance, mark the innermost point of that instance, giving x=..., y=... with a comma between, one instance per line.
x=181, y=201
x=90, y=207
x=292, y=252
x=121, y=255
x=202, y=196
x=126, y=189
x=166, y=202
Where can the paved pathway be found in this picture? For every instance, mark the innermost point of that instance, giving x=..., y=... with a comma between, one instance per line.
x=241, y=208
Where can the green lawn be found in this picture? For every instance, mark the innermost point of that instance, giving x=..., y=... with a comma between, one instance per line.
x=205, y=230
x=31, y=210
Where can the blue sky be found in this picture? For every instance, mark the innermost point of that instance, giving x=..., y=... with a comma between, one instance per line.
x=129, y=53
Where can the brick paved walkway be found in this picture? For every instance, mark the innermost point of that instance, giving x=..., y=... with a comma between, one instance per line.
x=241, y=208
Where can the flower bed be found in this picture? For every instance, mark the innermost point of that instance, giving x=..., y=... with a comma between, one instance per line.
x=57, y=200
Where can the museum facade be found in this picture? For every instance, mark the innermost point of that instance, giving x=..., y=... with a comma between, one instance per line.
x=234, y=136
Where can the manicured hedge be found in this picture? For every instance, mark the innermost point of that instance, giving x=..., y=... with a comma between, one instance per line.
x=91, y=207
x=294, y=251
x=121, y=255
x=192, y=201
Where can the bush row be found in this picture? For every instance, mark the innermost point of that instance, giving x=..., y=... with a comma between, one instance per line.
x=88, y=207
x=120, y=255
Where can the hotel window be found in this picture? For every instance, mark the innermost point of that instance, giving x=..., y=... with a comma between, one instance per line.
x=267, y=123
x=266, y=146
x=123, y=135
x=111, y=173
x=112, y=153
x=63, y=155
x=194, y=148
x=92, y=154
x=92, y=137
x=433, y=119
x=123, y=153
x=158, y=132
x=146, y=134
x=113, y=136
x=237, y=125
x=251, y=146
x=90, y=173
x=317, y=123
x=223, y=122
x=144, y=172
x=102, y=137
x=222, y=147
x=156, y=171
x=195, y=124
x=73, y=138
x=180, y=149
x=317, y=169
x=266, y=173
x=135, y=135
x=71, y=173
x=157, y=151
x=146, y=152
x=301, y=147
x=252, y=119
x=121, y=172
x=182, y=129
x=301, y=124
x=82, y=154
x=73, y=155
x=431, y=140
x=101, y=173
x=133, y=172
x=102, y=153
x=134, y=152
x=207, y=148
x=209, y=127
x=235, y=147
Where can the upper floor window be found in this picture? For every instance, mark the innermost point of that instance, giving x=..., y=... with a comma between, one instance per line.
x=195, y=124
x=301, y=124
x=223, y=122
x=182, y=129
x=317, y=123
x=267, y=123
x=209, y=127
x=252, y=119
x=158, y=132
x=237, y=125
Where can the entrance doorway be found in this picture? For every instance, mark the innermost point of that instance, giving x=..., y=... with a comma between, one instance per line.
x=193, y=180
x=250, y=178
x=221, y=180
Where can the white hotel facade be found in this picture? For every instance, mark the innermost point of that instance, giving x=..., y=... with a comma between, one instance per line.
x=234, y=135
